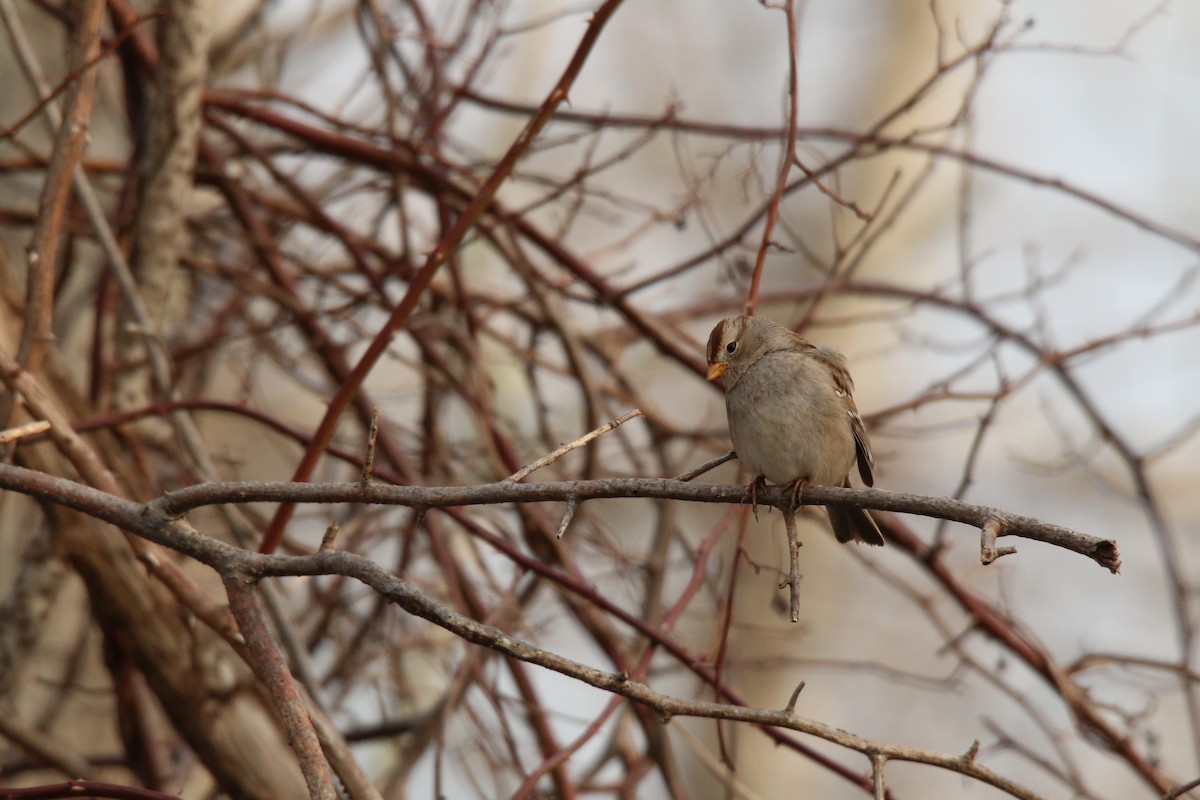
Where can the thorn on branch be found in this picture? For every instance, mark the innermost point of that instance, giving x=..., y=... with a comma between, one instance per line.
x=972, y=751
x=568, y=515
x=988, y=552
x=327, y=540
x=790, y=708
x=372, y=436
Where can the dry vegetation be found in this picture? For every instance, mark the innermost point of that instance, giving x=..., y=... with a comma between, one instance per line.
x=283, y=352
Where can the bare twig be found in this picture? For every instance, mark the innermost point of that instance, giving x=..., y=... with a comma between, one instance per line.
x=368, y=468
x=568, y=515
x=69, y=142
x=550, y=458
x=988, y=552
x=353, y=255
x=711, y=464
x=437, y=257
x=786, y=156
x=22, y=431
x=1182, y=789
x=792, y=581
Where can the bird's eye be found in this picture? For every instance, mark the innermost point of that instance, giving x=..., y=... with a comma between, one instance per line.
x=729, y=348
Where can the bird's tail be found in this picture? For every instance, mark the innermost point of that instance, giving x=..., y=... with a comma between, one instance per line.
x=850, y=522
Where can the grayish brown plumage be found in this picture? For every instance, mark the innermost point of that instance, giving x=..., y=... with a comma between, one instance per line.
x=791, y=413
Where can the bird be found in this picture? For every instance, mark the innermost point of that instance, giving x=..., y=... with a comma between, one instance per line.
x=791, y=413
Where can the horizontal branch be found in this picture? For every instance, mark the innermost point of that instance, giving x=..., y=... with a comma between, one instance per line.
x=160, y=521
x=403, y=594
x=174, y=504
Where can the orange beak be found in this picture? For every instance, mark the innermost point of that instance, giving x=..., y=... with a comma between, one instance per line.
x=717, y=370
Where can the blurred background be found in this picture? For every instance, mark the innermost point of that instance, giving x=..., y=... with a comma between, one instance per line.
x=989, y=208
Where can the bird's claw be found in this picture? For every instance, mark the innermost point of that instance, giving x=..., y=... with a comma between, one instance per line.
x=796, y=491
x=758, y=483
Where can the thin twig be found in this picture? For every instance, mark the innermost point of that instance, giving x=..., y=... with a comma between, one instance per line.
x=433, y=262
x=568, y=515
x=988, y=552
x=550, y=458
x=330, y=536
x=1180, y=791
x=790, y=708
x=788, y=150
x=793, y=579
x=372, y=437
x=711, y=464
x=21, y=431
x=877, y=762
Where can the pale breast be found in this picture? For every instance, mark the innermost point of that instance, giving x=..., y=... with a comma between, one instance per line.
x=786, y=421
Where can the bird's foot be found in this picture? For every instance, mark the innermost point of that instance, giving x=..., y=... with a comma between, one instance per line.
x=759, y=483
x=796, y=491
